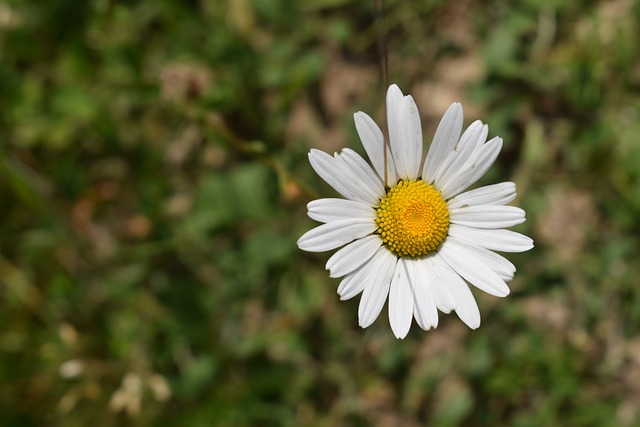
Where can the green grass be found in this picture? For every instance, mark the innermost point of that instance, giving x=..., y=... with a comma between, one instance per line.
x=153, y=182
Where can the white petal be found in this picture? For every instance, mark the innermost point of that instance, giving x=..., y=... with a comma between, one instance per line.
x=355, y=281
x=405, y=133
x=373, y=142
x=401, y=300
x=442, y=296
x=495, y=240
x=335, y=234
x=364, y=276
x=394, y=102
x=473, y=169
x=466, y=306
x=375, y=293
x=353, y=255
x=444, y=141
x=347, y=283
x=470, y=141
x=499, y=264
x=330, y=171
x=487, y=216
x=364, y=172
x=496, y=194
x=413, y=137
x=357, y=179
x=425, y=310
x=470, y=267
x=328, y=210
x=408, y=150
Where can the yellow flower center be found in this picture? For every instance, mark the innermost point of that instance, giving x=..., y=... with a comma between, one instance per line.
x=413, y=218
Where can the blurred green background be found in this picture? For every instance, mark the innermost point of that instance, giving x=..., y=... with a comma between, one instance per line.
x=153, y=182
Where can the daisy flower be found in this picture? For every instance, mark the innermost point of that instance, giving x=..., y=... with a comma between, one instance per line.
x=409, y=230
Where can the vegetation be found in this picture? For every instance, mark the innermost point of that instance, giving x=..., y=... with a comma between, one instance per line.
x=153, y=182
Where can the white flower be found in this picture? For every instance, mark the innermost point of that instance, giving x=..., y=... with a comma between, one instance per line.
x=410, y=231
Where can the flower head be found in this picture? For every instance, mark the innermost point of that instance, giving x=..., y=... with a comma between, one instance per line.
x=410, y=231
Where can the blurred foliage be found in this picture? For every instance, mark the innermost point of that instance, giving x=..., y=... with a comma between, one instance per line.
x=153, y=181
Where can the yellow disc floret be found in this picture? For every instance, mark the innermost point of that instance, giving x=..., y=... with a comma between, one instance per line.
x=413, y=218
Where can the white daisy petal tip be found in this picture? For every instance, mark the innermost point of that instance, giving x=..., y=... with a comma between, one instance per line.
x=401, y=334
x=394, y=91
x=472, y=324
x=453, y=111
x=454, y=114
